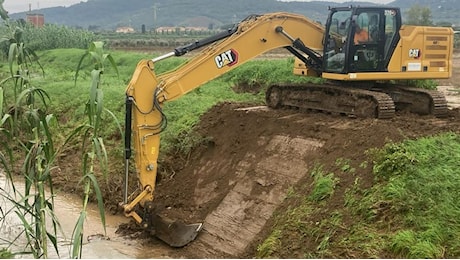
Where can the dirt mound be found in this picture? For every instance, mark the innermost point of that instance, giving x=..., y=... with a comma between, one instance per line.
x=250, y=156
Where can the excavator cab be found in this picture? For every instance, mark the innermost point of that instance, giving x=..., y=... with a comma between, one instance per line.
x=360, y=39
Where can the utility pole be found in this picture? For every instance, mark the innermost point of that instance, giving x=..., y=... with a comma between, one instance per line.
x=154, y=15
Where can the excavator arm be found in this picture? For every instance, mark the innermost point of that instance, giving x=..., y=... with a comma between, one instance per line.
x=147, y=92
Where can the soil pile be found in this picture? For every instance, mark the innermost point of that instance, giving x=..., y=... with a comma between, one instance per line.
x=250, y=156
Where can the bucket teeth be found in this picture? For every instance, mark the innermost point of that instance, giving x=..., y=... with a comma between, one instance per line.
x=175, y=233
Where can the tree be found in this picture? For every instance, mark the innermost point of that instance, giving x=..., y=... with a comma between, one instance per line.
x=444, y=24
x=3, y=12
x=419, y=15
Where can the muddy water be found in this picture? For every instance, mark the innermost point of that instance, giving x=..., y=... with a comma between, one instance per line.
x=96, y=245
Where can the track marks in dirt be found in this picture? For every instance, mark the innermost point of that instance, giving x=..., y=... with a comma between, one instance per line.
x=260, y=183
x=236, y=180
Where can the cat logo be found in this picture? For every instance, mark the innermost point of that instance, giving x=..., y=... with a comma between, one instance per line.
x=414, y=53
x=227, y=58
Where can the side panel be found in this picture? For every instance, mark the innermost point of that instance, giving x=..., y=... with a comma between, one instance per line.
x=421, y=53
x=424, y=49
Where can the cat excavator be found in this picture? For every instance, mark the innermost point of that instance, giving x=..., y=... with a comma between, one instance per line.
x=360, y=75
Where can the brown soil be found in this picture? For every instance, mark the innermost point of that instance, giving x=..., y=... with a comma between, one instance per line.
x=239, y=176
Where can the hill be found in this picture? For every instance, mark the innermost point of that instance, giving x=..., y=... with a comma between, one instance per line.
x=442, y=10
x=110, y=14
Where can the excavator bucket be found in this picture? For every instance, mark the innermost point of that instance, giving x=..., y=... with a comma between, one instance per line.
x=174, y=233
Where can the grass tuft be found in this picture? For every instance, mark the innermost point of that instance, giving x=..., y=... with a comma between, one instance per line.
x=323, y=186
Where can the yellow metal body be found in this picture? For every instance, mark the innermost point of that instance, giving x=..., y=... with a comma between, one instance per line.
x=421, y=53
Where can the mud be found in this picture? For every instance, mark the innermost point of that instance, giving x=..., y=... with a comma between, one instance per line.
x=251, y=156
x=97, y=242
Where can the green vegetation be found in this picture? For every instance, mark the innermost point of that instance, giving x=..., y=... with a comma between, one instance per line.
x=46, y=38
x=324, y=185
x=28, y=123
x=411, y=211
x=93, y=147
x=423, y=196
x=5, y=254
x=419, y=15
x=27, y=128
x=53, y=36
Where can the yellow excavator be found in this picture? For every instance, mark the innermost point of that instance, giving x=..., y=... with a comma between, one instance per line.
x=361, y=51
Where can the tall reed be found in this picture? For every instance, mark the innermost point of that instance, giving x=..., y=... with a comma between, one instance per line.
x=94, y=152
x=25, y=125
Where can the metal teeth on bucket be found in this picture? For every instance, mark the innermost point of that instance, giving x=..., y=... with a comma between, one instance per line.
x=175, y=233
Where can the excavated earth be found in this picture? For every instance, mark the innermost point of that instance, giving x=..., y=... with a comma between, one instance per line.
x=249, y=156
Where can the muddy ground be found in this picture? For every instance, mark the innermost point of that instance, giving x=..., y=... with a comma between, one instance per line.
x=245, y=153
x=237, y=179
x=249, y=157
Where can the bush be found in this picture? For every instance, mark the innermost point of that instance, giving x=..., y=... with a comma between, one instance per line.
x=48, y=37
x=53, y=36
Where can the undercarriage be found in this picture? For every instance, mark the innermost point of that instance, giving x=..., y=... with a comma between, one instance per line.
x=376, y=101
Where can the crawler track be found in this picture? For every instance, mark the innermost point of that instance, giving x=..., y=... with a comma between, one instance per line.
x=380, y=101
x=333, y=99
x=416, y=100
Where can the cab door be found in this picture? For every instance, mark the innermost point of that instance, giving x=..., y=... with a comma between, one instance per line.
x=368, y=38
x=335, y=44
x=367, y=47
x=382, y=27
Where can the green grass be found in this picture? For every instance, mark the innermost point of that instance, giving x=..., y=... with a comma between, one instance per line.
x=424, y=197
x=323, y=185
x=5, y=254
x=296, y=226
x=411, y=212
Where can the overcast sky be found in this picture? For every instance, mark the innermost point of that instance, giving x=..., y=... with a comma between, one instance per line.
x=15, y=6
